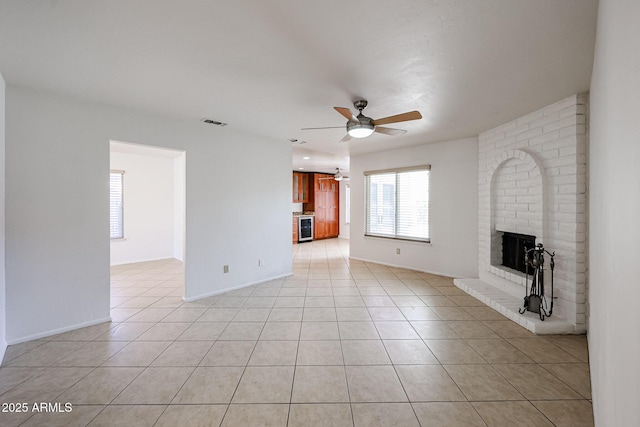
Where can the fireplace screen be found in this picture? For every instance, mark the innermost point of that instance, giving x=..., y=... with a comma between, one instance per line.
x=513, y=251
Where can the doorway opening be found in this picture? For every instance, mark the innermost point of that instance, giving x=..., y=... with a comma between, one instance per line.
x=147, y=223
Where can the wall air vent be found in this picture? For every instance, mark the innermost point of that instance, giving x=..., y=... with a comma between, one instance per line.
x=214, y=122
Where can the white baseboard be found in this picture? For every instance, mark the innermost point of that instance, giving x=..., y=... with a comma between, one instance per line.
x=59, y=330
x=437, y=273
x=143, y=260
x=222, y=291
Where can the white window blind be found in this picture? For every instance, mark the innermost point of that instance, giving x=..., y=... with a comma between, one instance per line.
x=397, y=203
x=116, y=204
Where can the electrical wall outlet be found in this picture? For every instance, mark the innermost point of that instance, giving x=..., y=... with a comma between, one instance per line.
x=260, y=263
x=225, y=269
x=398, y=251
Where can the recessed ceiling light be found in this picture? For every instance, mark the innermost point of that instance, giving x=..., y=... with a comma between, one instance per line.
x=306, y=158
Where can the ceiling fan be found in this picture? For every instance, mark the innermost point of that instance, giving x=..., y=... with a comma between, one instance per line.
x=338, y=176
x=361, y=126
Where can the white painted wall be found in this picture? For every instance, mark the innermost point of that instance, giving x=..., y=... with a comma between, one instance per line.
x=179, y=186
x=148, y=208
x=454, y=209
x=238, y=196
x=3, y=324
x=345, y=229
x=614, y=229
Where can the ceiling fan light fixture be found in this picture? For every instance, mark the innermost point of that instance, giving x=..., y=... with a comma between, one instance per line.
x=360, y=130
x=361, y=126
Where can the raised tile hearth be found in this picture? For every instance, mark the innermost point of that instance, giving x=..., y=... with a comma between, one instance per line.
x=508, y=305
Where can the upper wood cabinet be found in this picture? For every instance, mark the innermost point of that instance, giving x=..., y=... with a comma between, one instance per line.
x=300, y=187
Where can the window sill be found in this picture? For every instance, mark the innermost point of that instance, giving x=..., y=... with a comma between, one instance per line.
x=422, y=242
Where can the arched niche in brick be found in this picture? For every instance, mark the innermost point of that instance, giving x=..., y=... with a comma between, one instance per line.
x=518, y=199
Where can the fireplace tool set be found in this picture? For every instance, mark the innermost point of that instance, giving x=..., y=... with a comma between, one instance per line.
x=535, y=301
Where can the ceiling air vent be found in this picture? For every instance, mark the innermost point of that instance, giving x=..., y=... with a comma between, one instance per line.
x=214, y=122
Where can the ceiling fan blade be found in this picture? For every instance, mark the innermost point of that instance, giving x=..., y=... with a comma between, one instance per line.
x=389, y=131
x=346, y=138
x=404, y=117
x=326, y=127
x=347, y=114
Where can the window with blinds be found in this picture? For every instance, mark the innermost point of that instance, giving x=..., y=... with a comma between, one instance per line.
x=116, y=204
x=397, y=203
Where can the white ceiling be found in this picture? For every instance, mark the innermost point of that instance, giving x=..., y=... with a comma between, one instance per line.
x=274, y=67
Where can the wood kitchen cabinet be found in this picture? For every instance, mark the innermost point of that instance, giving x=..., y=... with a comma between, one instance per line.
x=300, y=187
x=324, y=199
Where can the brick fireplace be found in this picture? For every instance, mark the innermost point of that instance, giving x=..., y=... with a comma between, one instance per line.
x=532, y=181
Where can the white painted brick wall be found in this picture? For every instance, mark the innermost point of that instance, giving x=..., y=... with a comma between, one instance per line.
x=533, y=180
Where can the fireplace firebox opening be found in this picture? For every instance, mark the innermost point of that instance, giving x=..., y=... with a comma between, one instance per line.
x=514, y=246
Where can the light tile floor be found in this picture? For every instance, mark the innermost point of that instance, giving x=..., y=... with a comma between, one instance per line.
x=340, y=342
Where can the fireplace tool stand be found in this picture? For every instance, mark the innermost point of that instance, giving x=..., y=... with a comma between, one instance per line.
x=536, y=301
